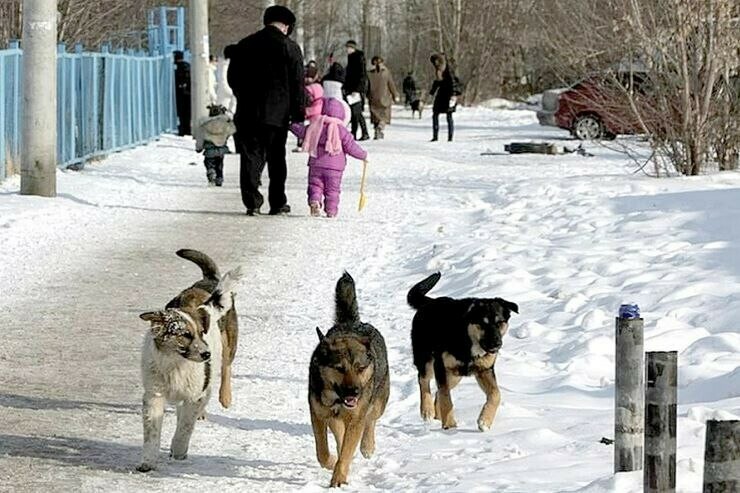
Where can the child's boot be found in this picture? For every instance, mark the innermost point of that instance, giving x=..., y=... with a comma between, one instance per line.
x=315, y=209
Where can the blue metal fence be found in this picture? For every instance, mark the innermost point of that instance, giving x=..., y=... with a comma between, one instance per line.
x=106, y=101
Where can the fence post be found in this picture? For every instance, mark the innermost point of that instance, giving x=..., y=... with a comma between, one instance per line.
x=39, y=158
x=629, y=395
x=660, y=421
x=722, y=457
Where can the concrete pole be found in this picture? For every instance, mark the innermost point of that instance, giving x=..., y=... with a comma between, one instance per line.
x=660, y=422
x=199, y=65
x=629, y=395
x=722, y=457
x=39, y=155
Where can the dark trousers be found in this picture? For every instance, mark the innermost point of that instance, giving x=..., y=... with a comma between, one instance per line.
x=214, y=168
x=450, y=125
x=358, y=118
x=258, y=146
x=182, y=103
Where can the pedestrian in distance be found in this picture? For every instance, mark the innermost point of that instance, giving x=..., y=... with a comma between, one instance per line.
x=355, y=88
x=381, y=95
x=314, y=96
x=266, y=75
x=409, y=89
x=182, y=93
x=445, y=89
x=328, y=143
x=214, y=132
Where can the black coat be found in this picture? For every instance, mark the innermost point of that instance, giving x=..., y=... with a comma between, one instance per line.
x=355, y=79
x=443, y=90
x=182, y=79
x=409, y=85
x=266, y=75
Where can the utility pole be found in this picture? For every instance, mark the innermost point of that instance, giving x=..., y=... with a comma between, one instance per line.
x=39, y=43
x=199, y=65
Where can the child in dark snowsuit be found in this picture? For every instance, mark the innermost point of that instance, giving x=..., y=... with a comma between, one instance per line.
x=328, y=142
x=213, y=133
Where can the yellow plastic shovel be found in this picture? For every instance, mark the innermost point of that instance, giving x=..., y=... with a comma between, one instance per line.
x=363, y=197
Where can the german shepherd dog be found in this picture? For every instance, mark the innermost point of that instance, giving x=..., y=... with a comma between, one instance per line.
x=455, y=338
x=348, y=384
x=197, y=329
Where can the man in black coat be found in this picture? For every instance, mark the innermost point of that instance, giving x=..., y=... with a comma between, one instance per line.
x=266, y=75
x=182, y=93
x=355, y=87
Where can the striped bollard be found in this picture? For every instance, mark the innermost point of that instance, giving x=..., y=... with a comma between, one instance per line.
x=660, y=422
x=722, y=457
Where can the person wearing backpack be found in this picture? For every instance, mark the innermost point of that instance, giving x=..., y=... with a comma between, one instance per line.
x=445, y=90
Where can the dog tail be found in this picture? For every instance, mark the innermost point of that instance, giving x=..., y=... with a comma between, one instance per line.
x=417, y=296
x=222, y=298
x=206, y=264
x=345, y=299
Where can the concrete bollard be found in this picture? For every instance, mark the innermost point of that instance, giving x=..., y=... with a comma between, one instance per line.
x=660, y=422
x=722, y=457
x=628, y=395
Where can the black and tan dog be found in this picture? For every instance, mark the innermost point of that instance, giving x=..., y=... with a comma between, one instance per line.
x=455, y=338
x=348, y=384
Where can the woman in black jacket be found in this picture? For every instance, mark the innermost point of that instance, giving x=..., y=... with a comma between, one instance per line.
x=445, y=92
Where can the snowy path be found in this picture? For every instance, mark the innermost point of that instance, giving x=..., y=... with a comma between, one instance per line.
x=568, y=238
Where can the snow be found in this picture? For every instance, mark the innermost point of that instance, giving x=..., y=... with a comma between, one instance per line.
x=566, y=237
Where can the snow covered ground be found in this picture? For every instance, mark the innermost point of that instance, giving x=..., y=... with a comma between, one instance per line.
x=568, y=238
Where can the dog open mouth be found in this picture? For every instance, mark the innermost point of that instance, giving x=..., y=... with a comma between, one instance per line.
x=350, y=402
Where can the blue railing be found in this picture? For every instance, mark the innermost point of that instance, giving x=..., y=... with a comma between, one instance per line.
x=106, y=101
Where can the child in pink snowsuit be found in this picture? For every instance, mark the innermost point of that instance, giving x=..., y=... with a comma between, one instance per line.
x=328, y=142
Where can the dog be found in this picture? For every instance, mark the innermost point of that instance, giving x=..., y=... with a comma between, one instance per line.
x=451, y=339
x=348, y=385
x=417, y=106
x=196, y=331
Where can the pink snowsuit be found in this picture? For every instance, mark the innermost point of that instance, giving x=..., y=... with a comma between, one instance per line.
x=326, y=167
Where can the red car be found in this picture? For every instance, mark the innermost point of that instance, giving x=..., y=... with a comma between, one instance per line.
x=594, y=108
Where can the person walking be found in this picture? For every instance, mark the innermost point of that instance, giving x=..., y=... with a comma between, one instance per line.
x=182, y=93
x=409, y=89
x=445, y=91
x=355, y=87
x=381, y=95
x=215, y=131
x=266, y=75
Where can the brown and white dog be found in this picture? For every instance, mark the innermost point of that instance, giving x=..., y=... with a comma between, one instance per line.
x=454, y=338
x=189, y=339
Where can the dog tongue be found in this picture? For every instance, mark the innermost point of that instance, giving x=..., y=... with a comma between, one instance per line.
x=350, y=401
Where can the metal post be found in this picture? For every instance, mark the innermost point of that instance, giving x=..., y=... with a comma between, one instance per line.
x=199, y=65
x=629, y=395
x=722, y=457
x=39, y=157
x=660, y=422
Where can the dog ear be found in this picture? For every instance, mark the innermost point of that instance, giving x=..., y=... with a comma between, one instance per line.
x=153, y=317
x=320, y=334
x=508, y=304
x=204, y=317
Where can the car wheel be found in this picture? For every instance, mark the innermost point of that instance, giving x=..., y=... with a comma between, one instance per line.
x=587, y=127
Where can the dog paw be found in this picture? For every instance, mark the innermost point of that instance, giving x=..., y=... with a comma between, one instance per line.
x=338, y=479
x=329, y=463
x=449, y=424
x=145, y=467
x=428, y=415
x=367, y=451
x=203, y=416
x=225, y=400
x=483, y=425
x=179, y=456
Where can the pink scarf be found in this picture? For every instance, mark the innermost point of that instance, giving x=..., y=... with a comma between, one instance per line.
x=313, y=134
